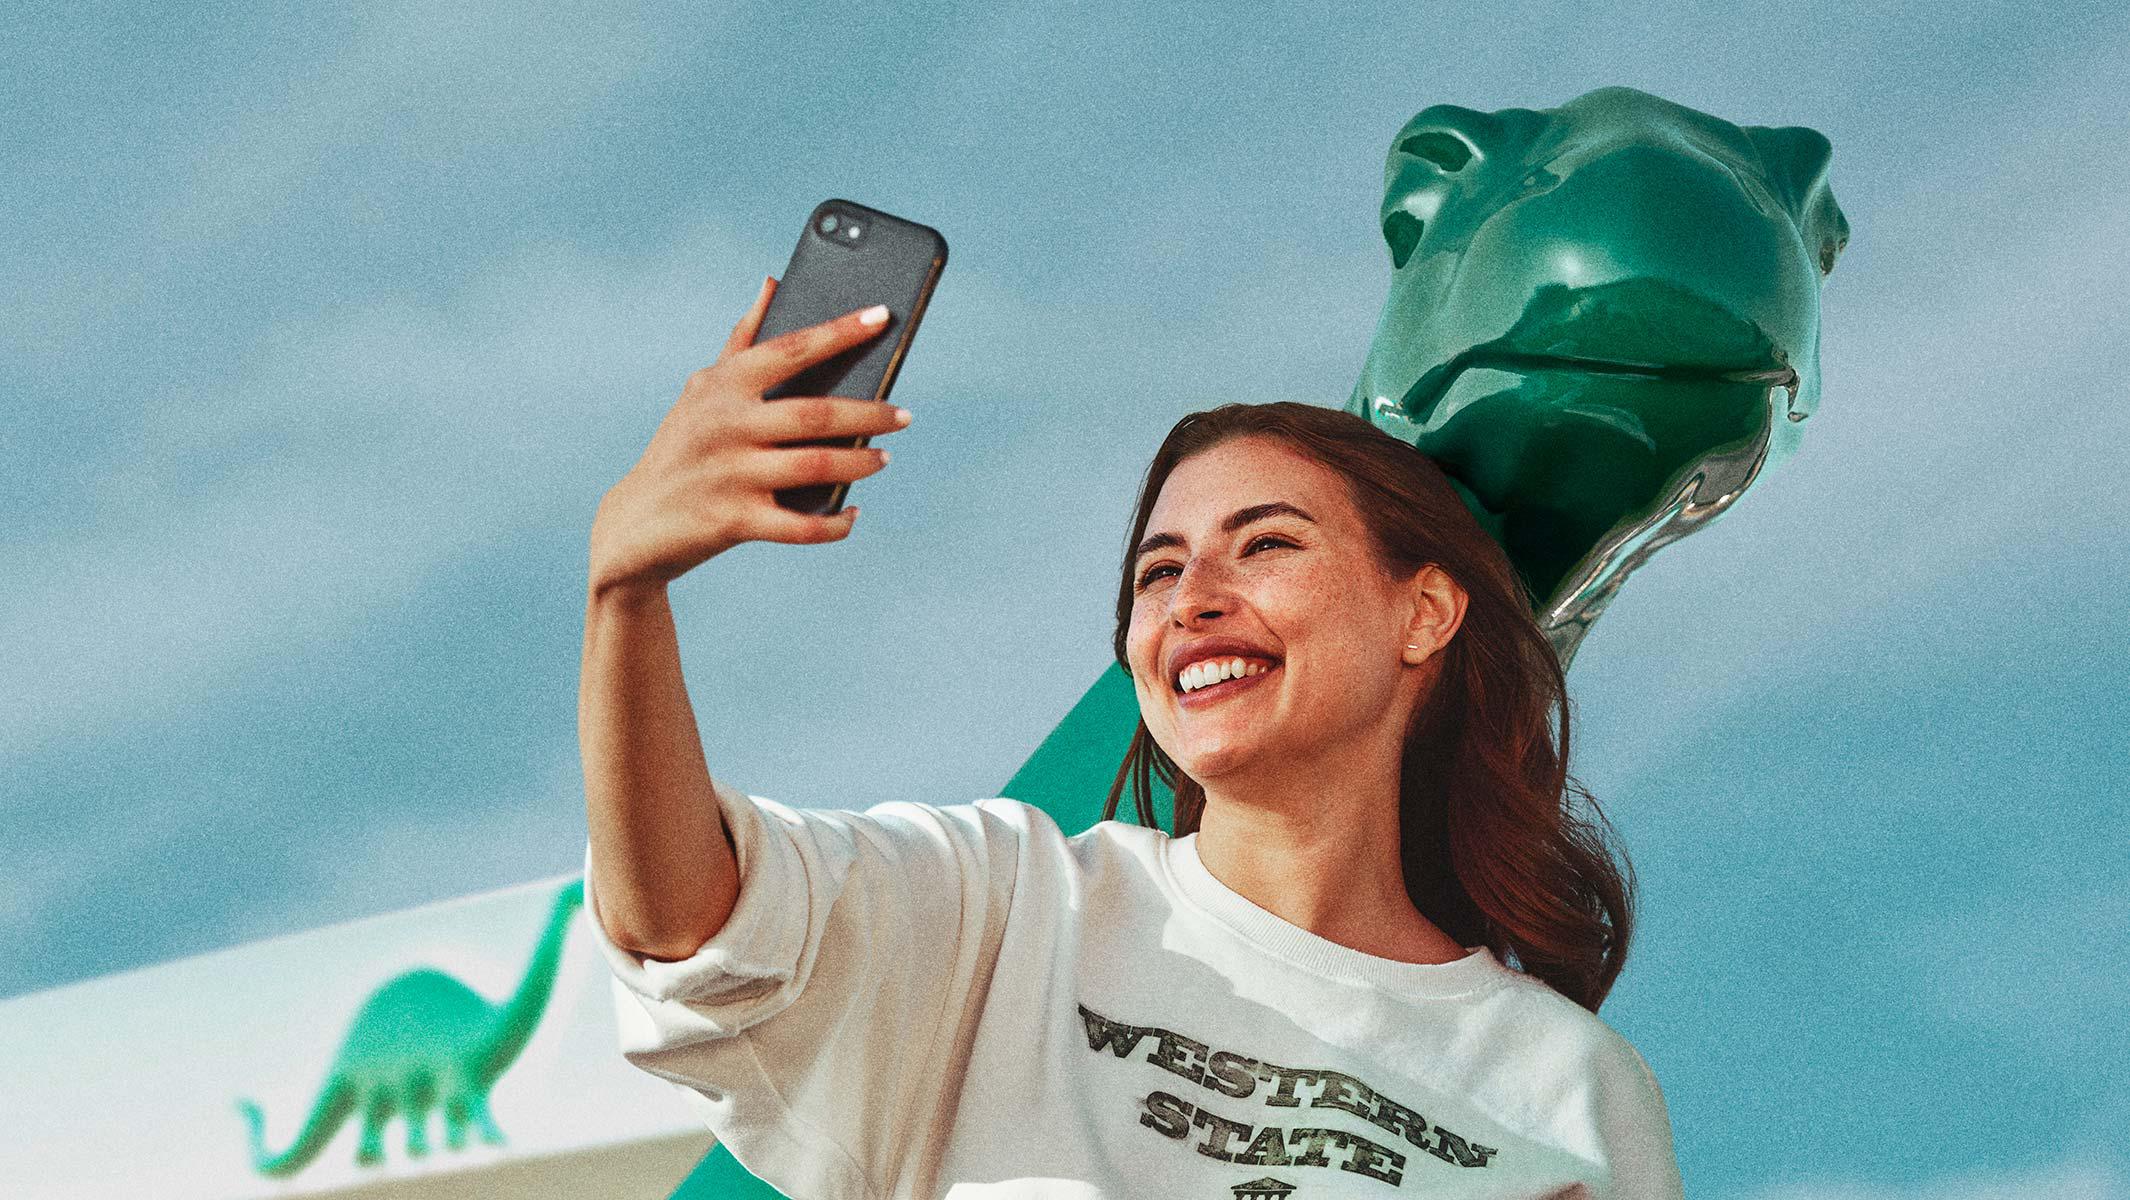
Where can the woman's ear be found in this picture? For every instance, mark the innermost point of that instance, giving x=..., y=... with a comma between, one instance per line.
x=1438, y=609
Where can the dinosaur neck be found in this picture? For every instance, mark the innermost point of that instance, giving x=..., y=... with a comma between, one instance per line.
x=517, y=1017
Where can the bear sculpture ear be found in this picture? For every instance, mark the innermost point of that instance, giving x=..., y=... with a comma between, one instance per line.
x=1796, y=160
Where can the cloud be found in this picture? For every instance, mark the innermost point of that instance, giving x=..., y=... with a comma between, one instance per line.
x=405, y=82
x=481, y=842
x=263, y=513
x=345, y=459
x=2045, y=974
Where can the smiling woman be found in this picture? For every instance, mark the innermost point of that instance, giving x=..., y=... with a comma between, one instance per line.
x=1283, y=996
x=1399, y=736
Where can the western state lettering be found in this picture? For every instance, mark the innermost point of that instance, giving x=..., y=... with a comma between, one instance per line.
x=1240, y=1077
x=1232, y=1074
x=1180, y=1055
x=1271, y=1145
x=1114, y=1036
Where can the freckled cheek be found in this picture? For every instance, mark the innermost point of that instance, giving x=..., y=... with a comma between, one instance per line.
x=1309, y=588
x=1145, y=672
x=1135, y=639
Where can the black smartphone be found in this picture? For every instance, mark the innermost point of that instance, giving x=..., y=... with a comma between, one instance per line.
x=850, y=256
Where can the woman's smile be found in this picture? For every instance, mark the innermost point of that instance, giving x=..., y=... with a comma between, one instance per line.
x=1198, y=698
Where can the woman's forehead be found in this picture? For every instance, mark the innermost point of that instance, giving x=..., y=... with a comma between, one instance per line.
x=1246, y=471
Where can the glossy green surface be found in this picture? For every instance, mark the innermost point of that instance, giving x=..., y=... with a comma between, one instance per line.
x=423, y=1042
x=1590, y=303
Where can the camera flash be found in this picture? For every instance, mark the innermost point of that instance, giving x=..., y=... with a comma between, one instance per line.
x=850, y=230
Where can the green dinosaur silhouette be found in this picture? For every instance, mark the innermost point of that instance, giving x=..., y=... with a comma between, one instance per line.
x=423, y=1041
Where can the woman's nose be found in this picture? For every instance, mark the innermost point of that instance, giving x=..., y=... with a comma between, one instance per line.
x=1201, y=592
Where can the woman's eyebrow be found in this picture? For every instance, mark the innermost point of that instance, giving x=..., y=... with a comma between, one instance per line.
x=1236, y=520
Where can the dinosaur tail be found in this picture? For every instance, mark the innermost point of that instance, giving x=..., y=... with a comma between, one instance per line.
x=333, y=1106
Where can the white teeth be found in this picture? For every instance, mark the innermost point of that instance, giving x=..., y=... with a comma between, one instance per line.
x=1211, y=671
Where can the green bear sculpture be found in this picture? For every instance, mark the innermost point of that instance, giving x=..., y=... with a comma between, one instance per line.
x=1603, y=323
x=421, y=1042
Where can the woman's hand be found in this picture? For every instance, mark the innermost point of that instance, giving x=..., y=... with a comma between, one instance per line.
x=707, y=481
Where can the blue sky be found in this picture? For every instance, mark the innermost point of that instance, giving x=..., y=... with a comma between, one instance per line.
x=324, y=331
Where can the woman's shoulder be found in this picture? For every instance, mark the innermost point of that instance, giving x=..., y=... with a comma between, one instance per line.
x=1086, y=845
x=1100, y=853
x=1569, y=1077
x=1550, y=1028
x=997, y=821
x=1030, y=822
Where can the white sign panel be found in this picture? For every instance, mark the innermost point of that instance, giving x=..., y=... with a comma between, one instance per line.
x=494, y=1013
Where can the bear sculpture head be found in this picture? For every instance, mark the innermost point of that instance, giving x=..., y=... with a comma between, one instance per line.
x=1603, y=323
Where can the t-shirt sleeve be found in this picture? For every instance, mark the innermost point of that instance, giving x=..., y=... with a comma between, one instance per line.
x=822, y=1034
x=1634, y=1126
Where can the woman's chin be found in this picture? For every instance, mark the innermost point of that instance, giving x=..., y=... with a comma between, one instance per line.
x=1211, y=758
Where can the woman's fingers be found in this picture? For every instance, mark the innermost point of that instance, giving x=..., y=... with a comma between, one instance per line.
x=764, y=365
x=803, y=418
x=751, y=323
x=706, y=481
x=779, y=524
x=798, y=466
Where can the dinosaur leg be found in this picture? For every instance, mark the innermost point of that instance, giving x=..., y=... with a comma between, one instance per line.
x=371, y=1150
x=417, y=1132
x=455, y=1118
x=478, y=1102
x=421, y=1097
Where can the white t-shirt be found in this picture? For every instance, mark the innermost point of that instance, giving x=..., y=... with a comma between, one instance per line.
x=961, y=1001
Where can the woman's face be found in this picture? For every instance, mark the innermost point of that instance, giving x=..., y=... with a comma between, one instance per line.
x=1257, y=552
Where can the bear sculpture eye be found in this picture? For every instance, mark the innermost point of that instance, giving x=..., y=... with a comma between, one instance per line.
x=1438, y=148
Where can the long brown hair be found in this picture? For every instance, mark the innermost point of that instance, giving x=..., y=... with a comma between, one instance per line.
x=1493, y=850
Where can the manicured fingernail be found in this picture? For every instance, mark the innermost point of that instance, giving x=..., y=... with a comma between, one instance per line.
x=876, y=315
x=902, y=416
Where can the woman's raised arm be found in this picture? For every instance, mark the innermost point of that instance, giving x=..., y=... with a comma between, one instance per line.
x=664, y=865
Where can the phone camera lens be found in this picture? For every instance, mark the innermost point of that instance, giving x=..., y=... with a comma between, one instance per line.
x=827, y=224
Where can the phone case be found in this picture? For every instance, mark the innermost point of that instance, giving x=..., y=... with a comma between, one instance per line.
x=893, y=262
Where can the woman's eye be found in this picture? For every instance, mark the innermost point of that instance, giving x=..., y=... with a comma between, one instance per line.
x=1152, y=572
